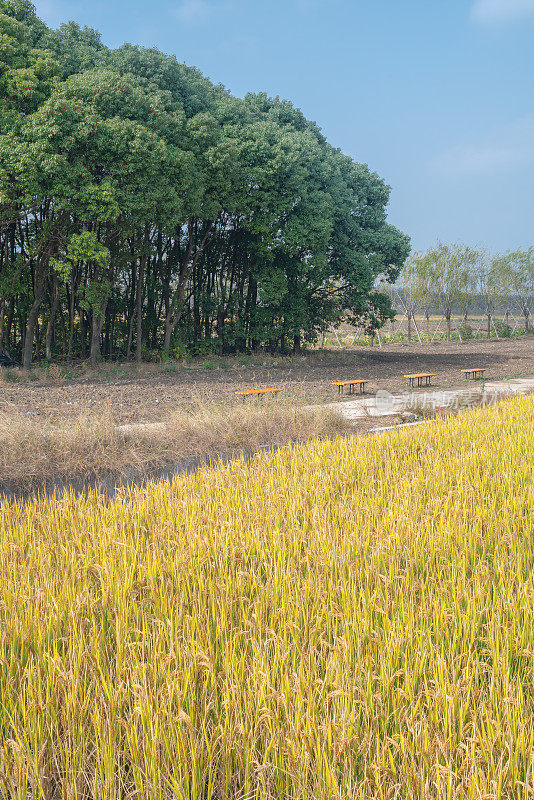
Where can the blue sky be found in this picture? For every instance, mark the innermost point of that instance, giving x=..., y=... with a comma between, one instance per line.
x=437, y=96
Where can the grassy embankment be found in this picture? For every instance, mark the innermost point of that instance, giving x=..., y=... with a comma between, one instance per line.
x=93, y=445
x=347, y=619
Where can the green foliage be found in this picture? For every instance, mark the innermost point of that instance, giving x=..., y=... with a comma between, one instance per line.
x=450, y=274
x=86, y=247
x=27, y=71
x=98, y=203
x=503, y=330
x=517, y=277
x=466, y=331
x=95, y=291
x=180, y=351
x=247, y=228
x=205, y=347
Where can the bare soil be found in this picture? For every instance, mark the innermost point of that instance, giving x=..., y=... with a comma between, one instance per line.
x=149, y=392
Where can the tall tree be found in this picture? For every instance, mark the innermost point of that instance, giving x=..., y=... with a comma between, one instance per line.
x=139, y=202
x=449, y=269
x=517, y=270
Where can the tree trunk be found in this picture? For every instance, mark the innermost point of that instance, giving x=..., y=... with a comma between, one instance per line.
x=188, y=265
x=64, y=330
x=130, y=337
x=2, y=322
x=98, y=317
x=139, y=311
x=489, y=324
x=9, y=322
x=96, y=329
x=29, y=335
x=220, y=330
x=94, y=355
x=72, y=309
x=168, y=333
x=53, y=312
x=448, y=321
x=409, y=327
x=83, y=333
x=71, y=325
x=33, y=316
x=131, y=311
x=38, y=337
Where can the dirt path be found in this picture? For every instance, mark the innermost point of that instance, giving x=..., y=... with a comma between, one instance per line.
x=149, y=392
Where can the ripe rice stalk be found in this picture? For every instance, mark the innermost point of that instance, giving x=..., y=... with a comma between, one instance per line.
x=348, y=618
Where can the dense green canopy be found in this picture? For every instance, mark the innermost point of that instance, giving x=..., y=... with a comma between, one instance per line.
x=140, y=205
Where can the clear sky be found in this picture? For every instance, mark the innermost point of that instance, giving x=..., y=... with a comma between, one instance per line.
x=434, y=95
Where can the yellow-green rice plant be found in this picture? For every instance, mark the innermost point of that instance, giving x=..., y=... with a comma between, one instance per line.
x=348, y=619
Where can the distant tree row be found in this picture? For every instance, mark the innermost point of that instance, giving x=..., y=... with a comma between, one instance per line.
x=452, y=278
x=144, y=208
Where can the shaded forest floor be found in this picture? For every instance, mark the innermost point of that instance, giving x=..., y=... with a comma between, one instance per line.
x=149, y=392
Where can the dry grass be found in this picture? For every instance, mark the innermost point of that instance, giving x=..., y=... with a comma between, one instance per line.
x=34, y=452
x=349, y=619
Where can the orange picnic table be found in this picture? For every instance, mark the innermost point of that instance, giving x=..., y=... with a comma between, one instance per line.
x=244, y=393
x=476, y=372
x=351, y=384
x=422, y=378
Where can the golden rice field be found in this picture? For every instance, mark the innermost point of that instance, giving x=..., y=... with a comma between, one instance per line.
x=350, y=619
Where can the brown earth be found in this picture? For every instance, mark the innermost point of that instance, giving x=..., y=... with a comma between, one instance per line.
x=148, y=392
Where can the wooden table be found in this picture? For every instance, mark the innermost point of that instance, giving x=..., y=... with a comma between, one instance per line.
x=422, y=378
x=244, y=393
x=478, y=372
x=351, y=384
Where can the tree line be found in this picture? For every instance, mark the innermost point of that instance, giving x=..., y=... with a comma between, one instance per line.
x=454, y=278
x=143, y=208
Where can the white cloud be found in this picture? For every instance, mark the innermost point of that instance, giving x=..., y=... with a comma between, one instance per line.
x=488, y=11
x=505, y=150
x=193, y=11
